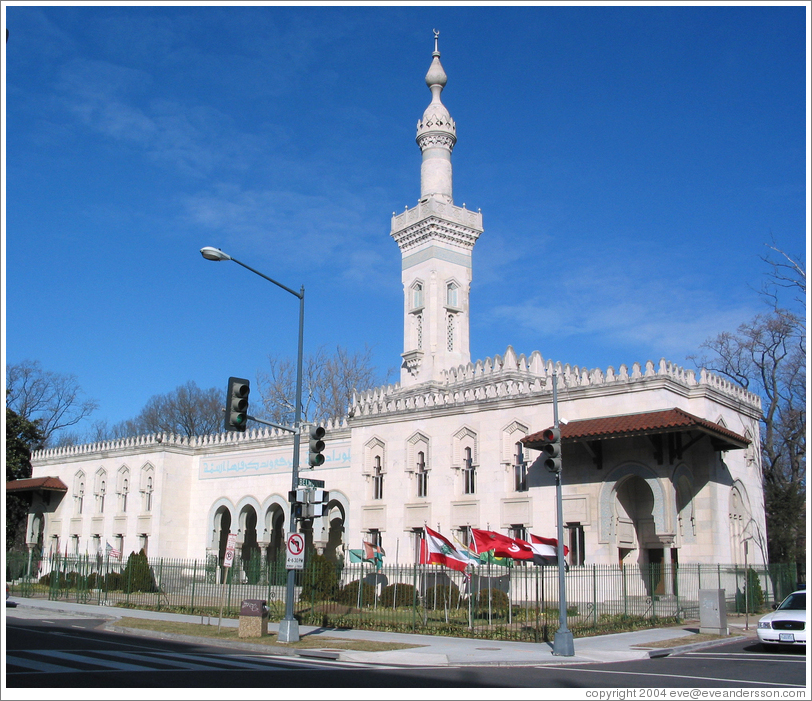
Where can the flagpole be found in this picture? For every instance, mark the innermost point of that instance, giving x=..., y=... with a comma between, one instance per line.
x=563, y=643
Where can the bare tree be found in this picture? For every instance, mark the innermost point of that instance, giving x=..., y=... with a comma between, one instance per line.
x=768, y=356
x=788, y=272
x=186, y=411
x=328, y=383
x=51, y=400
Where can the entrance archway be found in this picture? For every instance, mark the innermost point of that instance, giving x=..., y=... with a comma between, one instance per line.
x=250, y=556
x=275, y=528
x=222, y=527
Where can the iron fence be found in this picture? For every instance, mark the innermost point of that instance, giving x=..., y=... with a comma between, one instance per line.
x=519, y=602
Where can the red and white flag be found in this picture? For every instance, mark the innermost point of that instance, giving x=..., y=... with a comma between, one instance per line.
x=502, y=545
x=546, y=550
x=435, y=549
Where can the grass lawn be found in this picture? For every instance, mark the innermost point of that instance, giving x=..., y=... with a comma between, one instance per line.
x=231, y=634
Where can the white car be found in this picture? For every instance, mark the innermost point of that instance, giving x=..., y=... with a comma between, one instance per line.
x=787, y=624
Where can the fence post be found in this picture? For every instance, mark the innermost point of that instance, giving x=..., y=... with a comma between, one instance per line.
x=160, y=581
x=194, y=581
x=594, y=596
x=129, y=581
x=736, y=579
x=675, y=578
x=625, y=590
x=414, y=598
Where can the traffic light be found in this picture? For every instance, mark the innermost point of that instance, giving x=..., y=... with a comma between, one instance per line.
x=236, y=417
x=298, y=502
x=316, y=446
x=319, y=498
x=551, y=449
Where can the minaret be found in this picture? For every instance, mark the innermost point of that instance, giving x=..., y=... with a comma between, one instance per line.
x=436, y=239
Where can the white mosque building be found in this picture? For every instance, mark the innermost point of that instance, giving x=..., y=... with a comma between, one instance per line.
x=661, y=464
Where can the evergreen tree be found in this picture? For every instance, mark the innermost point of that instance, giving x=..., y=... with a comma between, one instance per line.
x=22, y=436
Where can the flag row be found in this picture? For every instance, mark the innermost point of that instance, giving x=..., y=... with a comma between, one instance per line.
x=486, y=546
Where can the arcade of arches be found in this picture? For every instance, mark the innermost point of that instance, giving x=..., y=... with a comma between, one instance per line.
x=261, y=539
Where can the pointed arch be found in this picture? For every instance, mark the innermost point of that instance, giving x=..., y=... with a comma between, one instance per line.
x=464, y=438
x=684, y=507
x=608, y=497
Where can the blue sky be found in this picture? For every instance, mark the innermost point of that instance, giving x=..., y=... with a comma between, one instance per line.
x=630, y=164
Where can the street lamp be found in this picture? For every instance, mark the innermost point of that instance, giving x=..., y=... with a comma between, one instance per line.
x=288, y=626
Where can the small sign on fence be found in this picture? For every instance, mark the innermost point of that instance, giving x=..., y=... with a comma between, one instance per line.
x=228, y=559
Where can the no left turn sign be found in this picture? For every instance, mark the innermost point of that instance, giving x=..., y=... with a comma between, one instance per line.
x=295, y=552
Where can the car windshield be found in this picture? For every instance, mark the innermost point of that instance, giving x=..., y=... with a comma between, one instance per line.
x=794, y=602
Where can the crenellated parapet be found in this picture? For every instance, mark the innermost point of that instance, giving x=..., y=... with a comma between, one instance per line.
x=434, y=219
x=512, y=376
x=170, y=441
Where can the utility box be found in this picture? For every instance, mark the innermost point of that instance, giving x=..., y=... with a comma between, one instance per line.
x=712, y=612
x=253, y=618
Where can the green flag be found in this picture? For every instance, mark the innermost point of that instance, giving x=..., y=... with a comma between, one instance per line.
x=489, y=558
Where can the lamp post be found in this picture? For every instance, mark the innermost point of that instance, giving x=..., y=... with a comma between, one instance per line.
x=288, y=626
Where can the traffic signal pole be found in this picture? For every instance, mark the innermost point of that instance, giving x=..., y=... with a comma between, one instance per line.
x=563, y=643
x=289, y=626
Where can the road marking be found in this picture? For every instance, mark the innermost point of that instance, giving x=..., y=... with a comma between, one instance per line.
x=738, y=682
x=744, y=656
x=158, y=658
x=216, y=660
x=99, y=662
x=158, y=661
x=36, y=665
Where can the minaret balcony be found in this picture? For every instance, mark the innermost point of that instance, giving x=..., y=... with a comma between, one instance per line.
x=431, y=207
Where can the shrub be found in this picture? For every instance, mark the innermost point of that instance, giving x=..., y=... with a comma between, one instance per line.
x=752, y=598
x=498, y=600
x=397, y=595
x=348, y=594
x=320, y=579
x=442, y=596
x=138, y=575
x=114, y=581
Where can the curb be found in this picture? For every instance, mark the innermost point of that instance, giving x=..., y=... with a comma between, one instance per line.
x=275, y=650
x=680, y=649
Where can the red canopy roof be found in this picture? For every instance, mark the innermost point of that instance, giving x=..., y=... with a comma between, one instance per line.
x=34, y=484
x=642, y=424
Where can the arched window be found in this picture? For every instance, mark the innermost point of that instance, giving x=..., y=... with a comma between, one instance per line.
x=146, y=494
x=469, y=473
x=100, y=495
x=452, y=294
x=422, y=475
x=123, y=488
x=79, y=493
x=519, y=469
x=417, y=295
x=377, y=480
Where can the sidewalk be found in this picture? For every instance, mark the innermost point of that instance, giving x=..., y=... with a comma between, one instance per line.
x=434, y=651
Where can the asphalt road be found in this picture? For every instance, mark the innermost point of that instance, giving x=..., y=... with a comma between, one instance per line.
x=62, y=651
